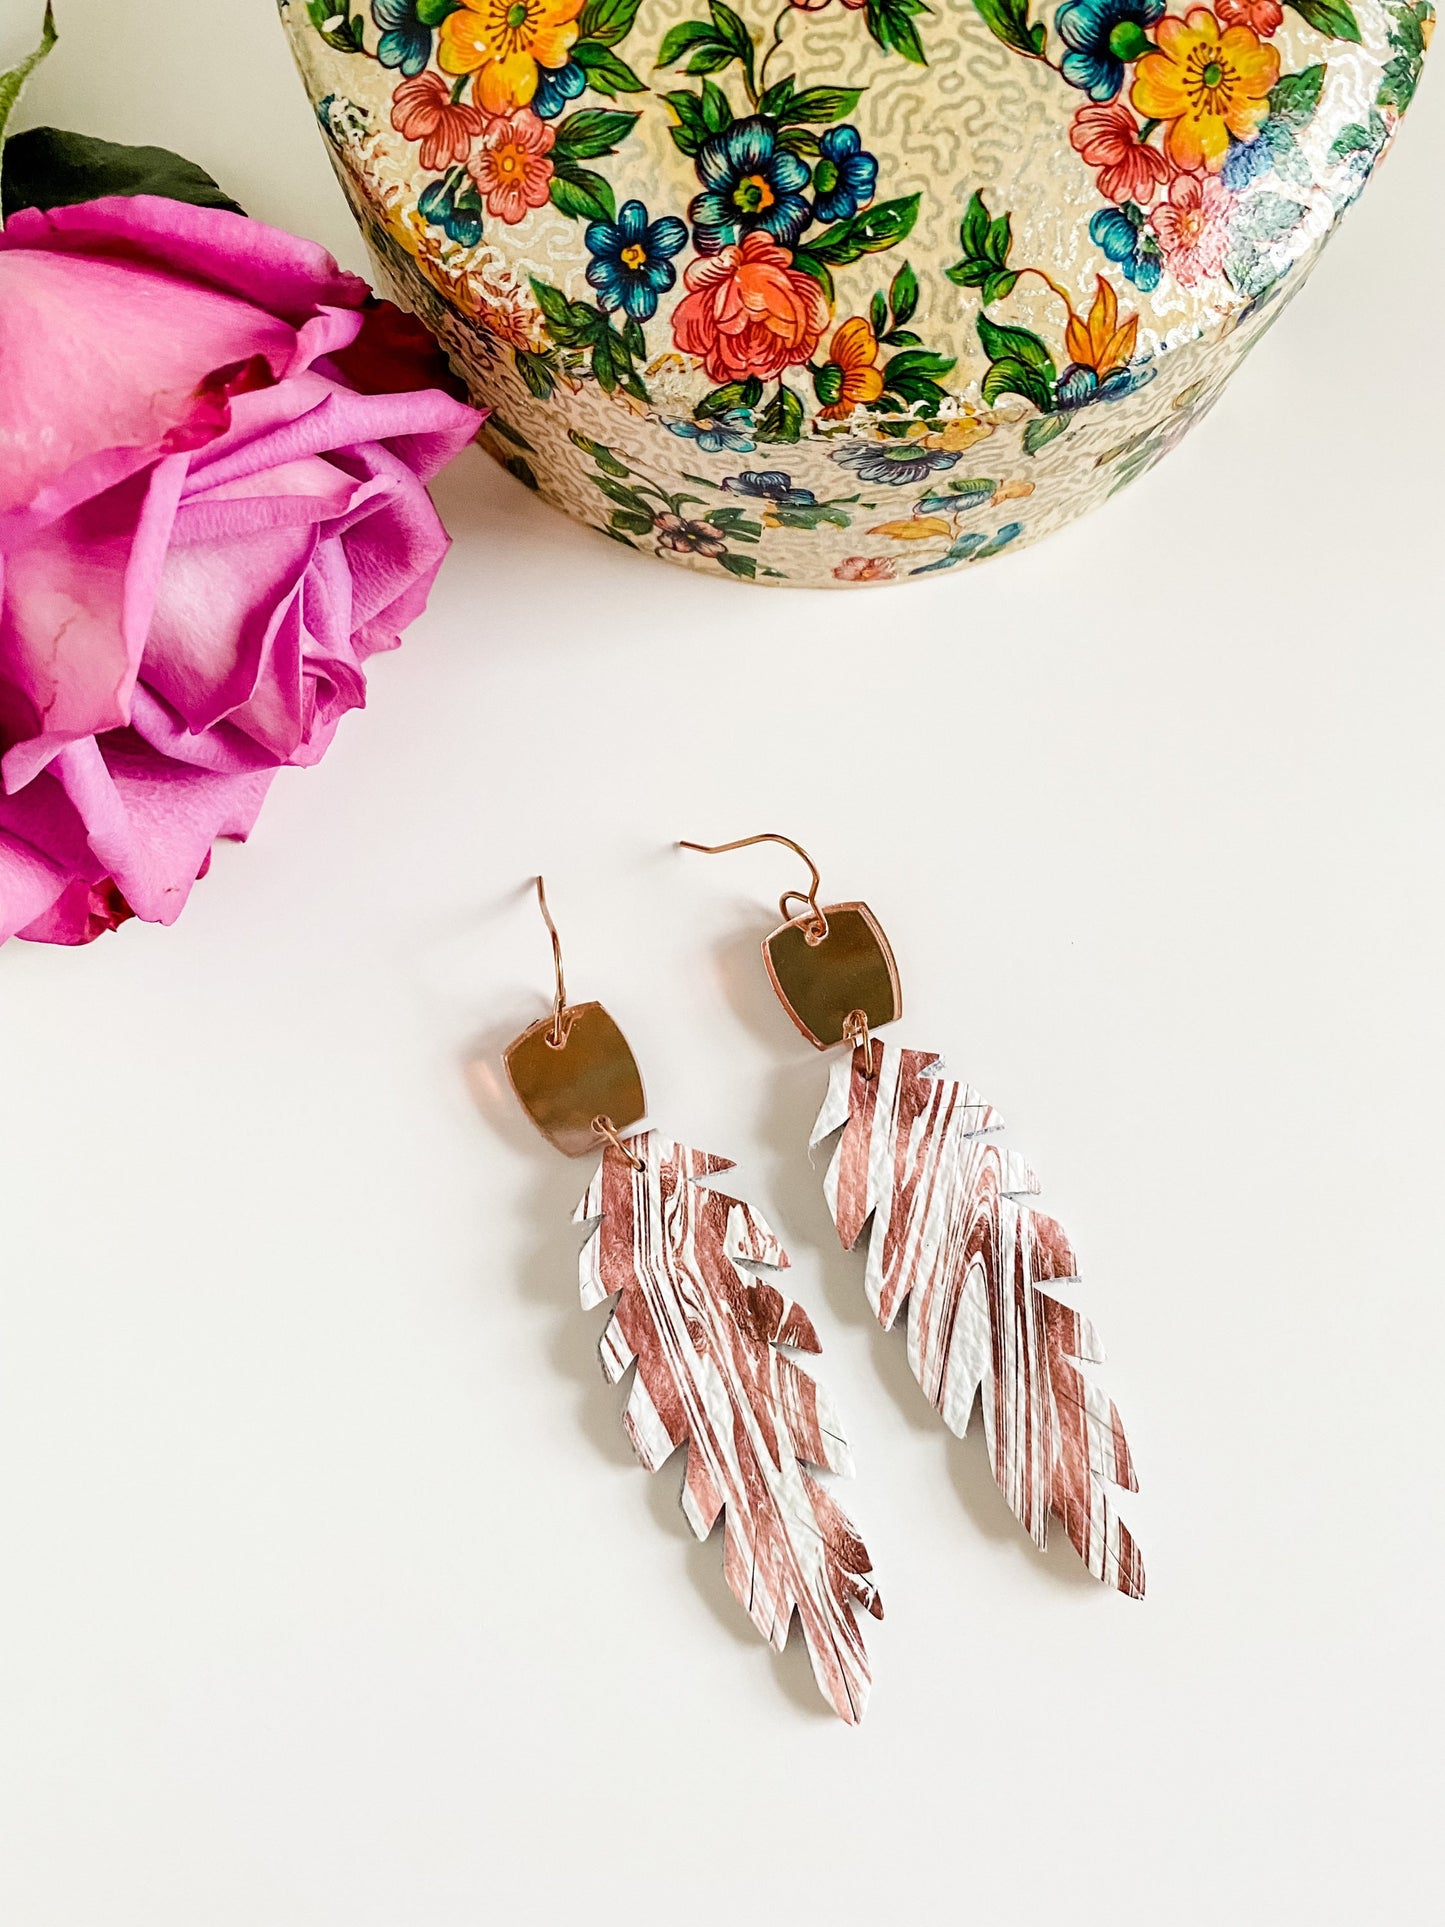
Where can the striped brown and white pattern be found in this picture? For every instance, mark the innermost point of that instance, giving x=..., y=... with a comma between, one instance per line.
x=696, y=1312
x=952, y=1236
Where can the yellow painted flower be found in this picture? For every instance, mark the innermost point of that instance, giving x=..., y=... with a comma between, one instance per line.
x=850, y=375
x=1207, y=84
x=1101, y=342
x=1014, y=491
x=503, y=42
x=961, y=433
x=918, y=528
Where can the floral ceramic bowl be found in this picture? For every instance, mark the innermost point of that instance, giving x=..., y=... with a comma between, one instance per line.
x=846, y=293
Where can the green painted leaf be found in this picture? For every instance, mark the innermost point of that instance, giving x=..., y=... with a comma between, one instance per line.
x=743, y=565
x=606, y=20
x=632, y=521
x=582, y=195
x=594, y=131
x=570, y=323
x=822, y=104
x=807, y=262
x=776, y=98
x=431, y=13
x=711, y=60
x=1294, y=97
x=891, y=25
x=730, y=29
x=717, y=110
x=1015, y=344
x=691, y=129
x=999, y=284
x=1267, y=218
x=606, y=73
x=682, y=39
x=1010, y=377
x=903, y=295
x=46, y=167
x=973, y=229
x=1043, y=430
x=1009, y=21
x=870, y=232
x=782, y=419
x=732, y=394
x=1333, y=18
x=535, y=370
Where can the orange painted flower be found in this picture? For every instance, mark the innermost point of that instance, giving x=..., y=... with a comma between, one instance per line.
x=422, y=109
x=1102, y=342
x=749, y=311
x=865, y=568
x=1266, y=17
x=1207, y=84
x=851, y=374
x=504, y=42
x=511, y=168
x=1107, y=138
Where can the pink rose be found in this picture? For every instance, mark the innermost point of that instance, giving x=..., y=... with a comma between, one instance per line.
x=211, y=514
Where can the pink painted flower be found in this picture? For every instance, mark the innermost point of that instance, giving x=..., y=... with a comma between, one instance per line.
x=422, y=109
x=1108, y=138
x=211, y=515
x=1263, y=17
x=749, y=311
x=865, y=568
x=511, y=169
x=1193, y=227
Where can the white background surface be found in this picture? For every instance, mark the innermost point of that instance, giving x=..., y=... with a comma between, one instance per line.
x=331, y=1596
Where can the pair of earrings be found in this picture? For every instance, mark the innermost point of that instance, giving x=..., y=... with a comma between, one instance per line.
x=953, y=1236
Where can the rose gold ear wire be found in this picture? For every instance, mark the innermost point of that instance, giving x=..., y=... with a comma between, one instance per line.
x=818, y=929
x=557, y=1035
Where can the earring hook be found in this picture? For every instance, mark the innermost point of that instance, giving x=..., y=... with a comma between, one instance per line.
x=820, y=922
x=557, y=1036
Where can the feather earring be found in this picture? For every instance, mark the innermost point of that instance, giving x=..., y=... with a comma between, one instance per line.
x=953, y=1236
x=691, y=1271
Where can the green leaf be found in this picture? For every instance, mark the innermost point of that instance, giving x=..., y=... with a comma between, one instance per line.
x=973, y=230
x=632, y=521
x=1015, y=344
x=1353, y=139
x=776, y=99
x=870, y=232
x=998, y=284
x=535, y=370
x=1009, y=21
x=1010, y=377
x=919, y=361
x=599, y=451
x=346, y=37
x=12, y=84
x=570, y=323
x=820, y=104
x=45, y=167
x=891, y=26
x=1000, y=234
x=743, y=565
x=782, y=419
x=625, y=497
x=807, y=262
x=634, y=340
x=606, y=20
x=431, y=13
x=1294, y=97
x=605, y=369
x=968, y=274
x=691, y=129
x=903, y=295
x=730, y=29
x=797, y=140
x=606, y=73
x=717, y=113
x=682, y=39
x=582, y=195
x=878, y=314
x=1333, y=18
x=711, y=60
x=595, y=131
x=1042, y=430
x=496, y=426
x=1267, y=218
x=732, y=394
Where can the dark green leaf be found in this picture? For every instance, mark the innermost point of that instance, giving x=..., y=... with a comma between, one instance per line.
x=1010, y=377
x=717, y=111
x=1335, y=19
x=682, y=39
x=711, y=60
x=1043, y=430
x=1009, y=20
x=1352, y=139
x=973, y=229
x=431, y=13
x=691, y=129
x=732, y=394
x=821, y=104
x=634, y=340
x=883, y=226
x=891, y=26
x=570, y=323
x=1294, y=97
x=777, y=97
x=606, y=20
x=1000, y=234
x=903, y=295
x=807, y=262
x=632, y=521
x=797, y=140
x=496, y=426
x=878, y=314
x=45, y=167
x=535, y=370
x=581, y=194
x=1015, y=344
x=782, y=419
x=595, y=131
x=605, y=370
x=743, y=565
x=12, y=82
x=999, y=284
x=606, y=73
x=919, y=361
x=730, y=29
x=969, y=274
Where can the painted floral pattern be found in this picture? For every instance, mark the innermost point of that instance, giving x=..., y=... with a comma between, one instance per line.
x=768, y=293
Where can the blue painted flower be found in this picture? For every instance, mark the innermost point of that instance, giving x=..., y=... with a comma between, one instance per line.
x=632, y=259
x=1101, y=35
x=749, y=182
x=1246, y=161
x=844, y=177
x=893, y=462
x=728, y=429
x=452, y=204
x=1081, y=387
x=1125, y=238
x=404, y=41
x=771, y=485
x=555, y=87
